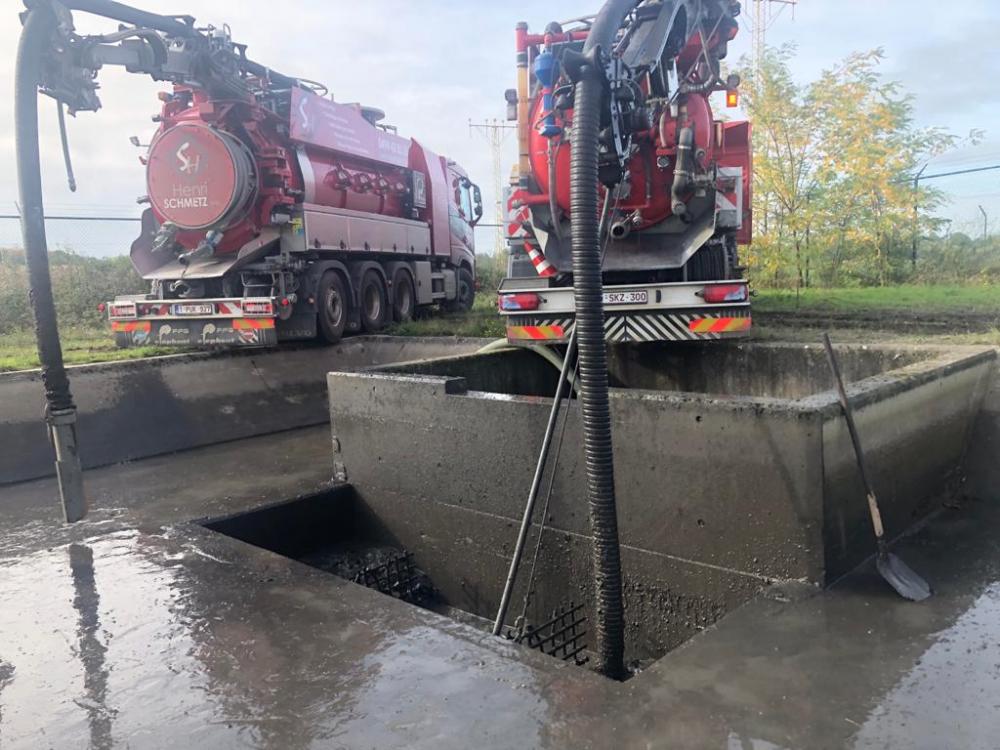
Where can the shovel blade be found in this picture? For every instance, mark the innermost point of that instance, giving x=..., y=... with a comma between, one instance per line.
x=902, y=578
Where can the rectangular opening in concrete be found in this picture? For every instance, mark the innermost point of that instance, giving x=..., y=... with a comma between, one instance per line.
x=787, y=371
x=448, y=565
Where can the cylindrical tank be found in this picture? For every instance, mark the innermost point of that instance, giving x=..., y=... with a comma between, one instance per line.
x=199, y=177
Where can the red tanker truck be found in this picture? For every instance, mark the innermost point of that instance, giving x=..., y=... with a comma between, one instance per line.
x=674, y=179
x=275, y=212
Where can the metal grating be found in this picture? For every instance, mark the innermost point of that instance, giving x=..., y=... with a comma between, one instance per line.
x=398, y=576
x=563, y=636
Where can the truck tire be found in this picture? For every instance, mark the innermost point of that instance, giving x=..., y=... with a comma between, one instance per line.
x=404, y=298
x=708, y=263
x=465, y=292
x=332, y=305
x=374, y=302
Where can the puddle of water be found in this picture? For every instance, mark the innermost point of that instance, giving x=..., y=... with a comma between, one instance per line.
x=951, y=698
x=138, y=640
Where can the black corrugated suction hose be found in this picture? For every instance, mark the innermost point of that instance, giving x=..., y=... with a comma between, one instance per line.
x=593, y=364
x=38, y=26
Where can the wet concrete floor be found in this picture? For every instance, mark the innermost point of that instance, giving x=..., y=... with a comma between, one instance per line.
x=138, y=629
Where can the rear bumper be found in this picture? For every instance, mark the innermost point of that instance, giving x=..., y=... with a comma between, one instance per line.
x=225, y=321
x=196, y=332
x=702, y=324
x=666, y=312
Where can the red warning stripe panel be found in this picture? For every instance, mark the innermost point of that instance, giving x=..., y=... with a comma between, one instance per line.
x=535, y=333
x=132, y=325
x=245, y=324
x=719, y=325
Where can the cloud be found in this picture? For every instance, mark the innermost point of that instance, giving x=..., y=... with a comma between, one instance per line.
x=433, y=66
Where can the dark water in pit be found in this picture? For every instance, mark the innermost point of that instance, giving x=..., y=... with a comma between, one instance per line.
x=337, y=533
x=393, y=571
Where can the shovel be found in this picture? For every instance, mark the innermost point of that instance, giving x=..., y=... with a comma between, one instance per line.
x=897, y=573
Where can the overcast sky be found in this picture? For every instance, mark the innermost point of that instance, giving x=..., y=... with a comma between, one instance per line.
x=436, y=64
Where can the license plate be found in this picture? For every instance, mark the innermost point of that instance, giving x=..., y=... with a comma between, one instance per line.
x=637, y=297
x=189, y=309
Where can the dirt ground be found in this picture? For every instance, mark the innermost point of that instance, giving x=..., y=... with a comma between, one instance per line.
x=869, y=326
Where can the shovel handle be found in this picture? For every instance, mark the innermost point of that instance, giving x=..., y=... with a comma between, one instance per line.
x=855, y=440
x=876, y=516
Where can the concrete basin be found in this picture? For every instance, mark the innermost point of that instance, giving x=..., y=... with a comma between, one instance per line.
x=733, y=466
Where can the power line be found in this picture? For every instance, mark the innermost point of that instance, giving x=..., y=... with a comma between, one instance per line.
x=960, y=171
x=77, y=218
x=921, y=178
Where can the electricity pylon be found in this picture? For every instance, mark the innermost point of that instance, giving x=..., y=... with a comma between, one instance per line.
x=495, y=132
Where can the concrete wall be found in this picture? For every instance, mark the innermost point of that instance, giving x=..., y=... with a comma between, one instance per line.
x=447, y=472
x=140, y=408
x=761, y=487
x=983, y=458
x=915, y=426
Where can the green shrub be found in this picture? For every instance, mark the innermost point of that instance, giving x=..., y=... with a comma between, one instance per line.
x=79, y=283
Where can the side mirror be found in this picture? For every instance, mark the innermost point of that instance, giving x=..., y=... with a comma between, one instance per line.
x=477, y=204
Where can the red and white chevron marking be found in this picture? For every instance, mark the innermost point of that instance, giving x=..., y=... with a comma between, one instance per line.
x=517, y=214
x=229, y=308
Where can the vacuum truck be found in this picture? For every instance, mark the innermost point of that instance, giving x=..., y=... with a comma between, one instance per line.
x=674, y=179
x=273, y=211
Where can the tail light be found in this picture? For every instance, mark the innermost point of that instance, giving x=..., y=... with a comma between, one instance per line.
x=726, y=293
x=122, y=311
x=520, y=301
x=101, y=307
x=258, y=307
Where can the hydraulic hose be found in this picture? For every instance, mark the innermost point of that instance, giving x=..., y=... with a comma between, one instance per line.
x=39, y=23
x=593, y=366
x=540, y=349
x=134, y=16
x=553, y=197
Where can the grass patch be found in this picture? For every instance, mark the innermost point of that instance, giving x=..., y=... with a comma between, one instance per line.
x=482, y=321
x=908, y=298
x=18, y=350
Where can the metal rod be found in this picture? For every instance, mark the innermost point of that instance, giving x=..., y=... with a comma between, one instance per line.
x=70, y=179
x=536, y=482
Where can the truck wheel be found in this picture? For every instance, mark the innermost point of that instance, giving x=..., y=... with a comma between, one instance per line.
x=403, y=297
x=708, y=263
x=332, y=306
x=374, y=302
x=466, y=292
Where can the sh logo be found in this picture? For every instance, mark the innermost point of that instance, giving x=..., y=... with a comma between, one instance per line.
x=304, y=122
x=189, y=164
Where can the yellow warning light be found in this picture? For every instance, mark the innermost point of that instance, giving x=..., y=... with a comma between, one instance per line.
x=732, y=98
